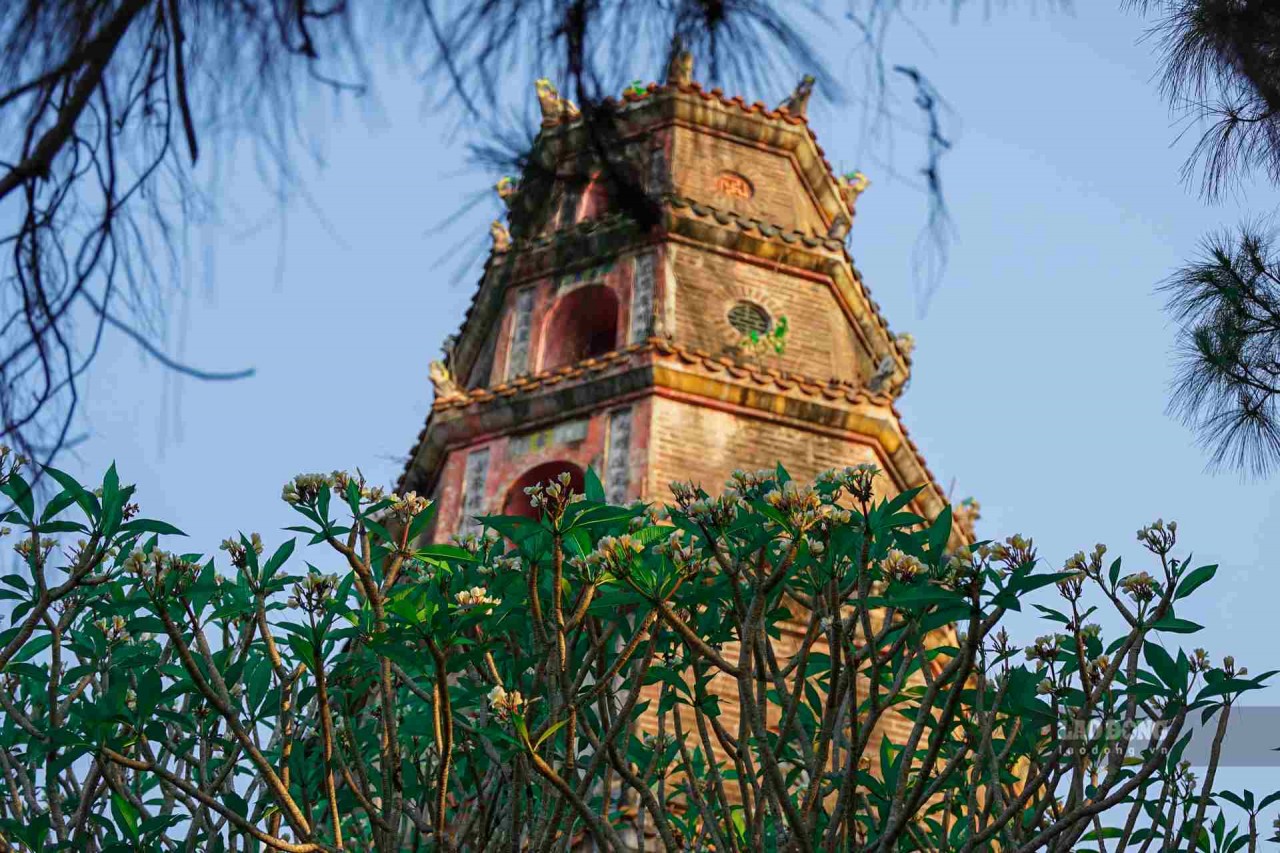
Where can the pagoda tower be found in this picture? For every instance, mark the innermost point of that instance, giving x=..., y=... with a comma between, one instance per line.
x=595, y=341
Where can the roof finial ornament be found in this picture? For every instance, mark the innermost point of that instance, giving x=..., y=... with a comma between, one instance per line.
x=554, y=107
x=506, y=188
x=501, y=236
x=798, y=103
x=852, y=185
x=884, y=370
x=442, y=381
x=679, y=64
x=906, y=343
x=839, y=227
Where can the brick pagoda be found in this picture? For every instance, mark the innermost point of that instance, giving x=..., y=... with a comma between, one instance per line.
x=594, y=342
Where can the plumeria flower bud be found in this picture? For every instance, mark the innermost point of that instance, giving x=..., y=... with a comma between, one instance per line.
x=1140, y=586
x=505, y=703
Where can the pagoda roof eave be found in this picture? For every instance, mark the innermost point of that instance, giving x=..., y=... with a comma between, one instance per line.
x=656, y=365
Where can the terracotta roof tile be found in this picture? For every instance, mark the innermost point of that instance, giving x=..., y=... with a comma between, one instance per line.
x=831, y=389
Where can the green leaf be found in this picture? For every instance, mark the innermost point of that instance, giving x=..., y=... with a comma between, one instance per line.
x=420, y=522
x=1020, y=585
x=60, y=501
x=448, y=553
x=1162, y=663
x=19, y=492
x=149, y=689
x=939, y=533
x=1174, y=625
x=126, y=816
x=112, y=502
x=32, y=647
x=550, y=731
x=593, y=488
x=149, y=525
x=83, y=497
x=277, y=559
x=1194, y=580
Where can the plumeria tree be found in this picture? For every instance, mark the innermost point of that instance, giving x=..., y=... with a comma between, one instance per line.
x=778, y=666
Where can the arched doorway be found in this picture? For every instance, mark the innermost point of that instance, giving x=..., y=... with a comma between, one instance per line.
x=517, y=502
x=582, y=324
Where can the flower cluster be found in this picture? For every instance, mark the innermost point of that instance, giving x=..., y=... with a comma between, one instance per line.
x=1098, y=667
x=341, y=479
x=1072, y=586
x=1200, y=661
x=857, y=480
x=901, y=567
x=239, y=555
x=113, y=629
x=305, y=488
x=476, y=542
x=749, y=485
x=405, y=507
x=800, y=504
x=1089, y=564
x=314, y=590
x=681, y=553
x=716, y=512
x=1229, y=667
x=612, y=554
x=1045, y=648
x=1140, y=586
x=476, y=597
x=160, y=567
x=10, y=463
x=1014, y=552
x=35, y=553
x=553, y=496
x=1159, y=538
x=505, y=703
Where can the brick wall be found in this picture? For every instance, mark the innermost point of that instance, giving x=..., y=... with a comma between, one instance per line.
x=510, y=456
x=779, y=196
x=820, y=342
x=691, y=442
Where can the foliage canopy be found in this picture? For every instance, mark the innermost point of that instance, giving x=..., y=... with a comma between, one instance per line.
x=782, y=666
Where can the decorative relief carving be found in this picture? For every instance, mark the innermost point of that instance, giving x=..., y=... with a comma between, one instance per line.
x=572, y=432
x=474, y=478
x=642, y=297
x=734, y=185
x=618, y=462
x=518, y=353
x=442, y=380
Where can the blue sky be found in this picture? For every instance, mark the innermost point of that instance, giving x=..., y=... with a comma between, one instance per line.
x=1042, y=359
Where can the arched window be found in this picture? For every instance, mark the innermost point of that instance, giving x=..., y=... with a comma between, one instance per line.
x=518, y=503
x=583, y=323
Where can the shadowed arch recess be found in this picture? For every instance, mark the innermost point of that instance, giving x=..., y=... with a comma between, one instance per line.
x=583, y=323
x=517, y=502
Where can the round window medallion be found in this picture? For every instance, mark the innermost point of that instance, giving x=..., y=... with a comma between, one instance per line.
x=733, y=185
x=748, y=317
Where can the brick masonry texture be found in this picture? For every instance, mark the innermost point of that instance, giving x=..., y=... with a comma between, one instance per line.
x=779, y=194
x=819, y=343
x=694, y=442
